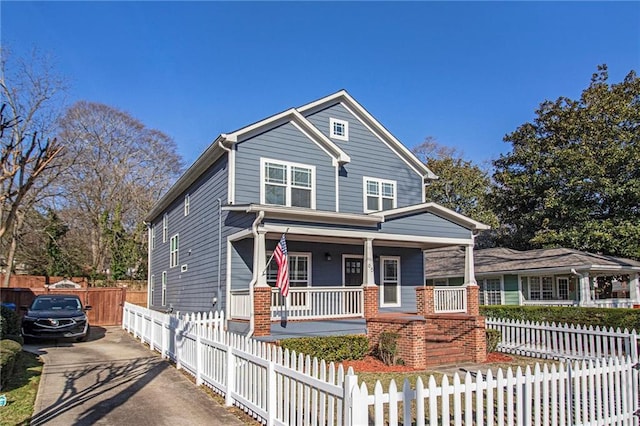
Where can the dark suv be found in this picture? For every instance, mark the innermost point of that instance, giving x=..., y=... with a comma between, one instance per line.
x=56, y=316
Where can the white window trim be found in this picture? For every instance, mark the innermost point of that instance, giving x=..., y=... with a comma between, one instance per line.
x=164, y=288
x=554, y=290
x=165, y=227
x=187, y=206
x=151, y=285
x=153, y=236
x=382, y=281
x=174, y=262
x=288, y=166
x=333, y=135
x=380, y=198
x=344, y=257
x=501, y=278
x=557, y=288
x=298, y=254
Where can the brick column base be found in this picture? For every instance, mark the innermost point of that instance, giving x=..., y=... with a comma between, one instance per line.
x=370, y=301
x=262, y=311
x=425, y=301
x=473, y=300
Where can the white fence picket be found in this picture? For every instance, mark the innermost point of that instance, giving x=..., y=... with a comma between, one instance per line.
x=278, y=387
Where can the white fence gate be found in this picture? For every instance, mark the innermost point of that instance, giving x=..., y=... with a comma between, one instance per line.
x=281, y=388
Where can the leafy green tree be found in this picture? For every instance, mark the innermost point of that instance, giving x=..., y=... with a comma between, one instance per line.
x=572, y=178
x=461, y=185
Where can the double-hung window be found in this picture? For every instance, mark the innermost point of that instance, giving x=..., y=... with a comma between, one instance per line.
x=287, y=184
x=541, y=288
x=490, y=291
x=174, y=246
x=187, y=204
x=164, y=288
x=153, y=236
x=151, y=285
x=379, y=194
x=299, y=275
x=165, y=227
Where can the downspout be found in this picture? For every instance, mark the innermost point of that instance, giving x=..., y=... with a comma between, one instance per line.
x=231, y=173
x=149, y=248
x=218, y=294
x=254, y=279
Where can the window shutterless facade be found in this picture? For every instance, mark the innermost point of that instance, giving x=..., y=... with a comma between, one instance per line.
x=390, y=281
x=287, y=184
x=339, y=129
x=151, y=285
x=379, y=194
x=165, y=227
x=173, y=252
x=299, y=276
x=152, y=230
x=187, y=204
x=490, y=291
x=164, y=288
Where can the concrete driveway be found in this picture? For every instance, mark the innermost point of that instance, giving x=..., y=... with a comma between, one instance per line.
x=114, y=380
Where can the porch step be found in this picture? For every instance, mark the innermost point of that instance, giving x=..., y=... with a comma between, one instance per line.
x=443, y=349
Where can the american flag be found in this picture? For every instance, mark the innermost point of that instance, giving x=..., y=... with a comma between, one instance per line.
x=282, y=259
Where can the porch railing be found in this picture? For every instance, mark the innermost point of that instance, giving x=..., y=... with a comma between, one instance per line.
x=450, y=299
x=240, y=305
x=318, y=303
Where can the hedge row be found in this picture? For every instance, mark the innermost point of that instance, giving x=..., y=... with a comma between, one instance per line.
x=329, y=348
x=9, y=353
x=601, y=317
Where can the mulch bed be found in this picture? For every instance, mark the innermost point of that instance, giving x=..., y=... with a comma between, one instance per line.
x=371, y=364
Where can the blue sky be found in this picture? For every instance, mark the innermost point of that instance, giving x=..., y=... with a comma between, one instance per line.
x=464, y=73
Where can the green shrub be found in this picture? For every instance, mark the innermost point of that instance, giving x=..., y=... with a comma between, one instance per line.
x=9, y=352
x=329, y=348
x=600, y=317
x=494, y=337
x=387, y=349
x=9, y=322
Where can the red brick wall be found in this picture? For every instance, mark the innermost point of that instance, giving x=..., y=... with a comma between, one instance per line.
x=411, y=344
x=262, y=311
x=473, y=300
x=425, y=300
x=468, y=331
x=370, y=301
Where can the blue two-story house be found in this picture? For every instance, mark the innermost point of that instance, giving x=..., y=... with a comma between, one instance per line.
x=348, y=196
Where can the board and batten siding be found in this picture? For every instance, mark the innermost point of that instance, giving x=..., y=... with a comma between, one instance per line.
x=283, y=143
x=425, y=225
x=511, y=294
x=192, y=289
x=370, y=157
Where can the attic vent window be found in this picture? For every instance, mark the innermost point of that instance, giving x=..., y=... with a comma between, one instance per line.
x=339, y=129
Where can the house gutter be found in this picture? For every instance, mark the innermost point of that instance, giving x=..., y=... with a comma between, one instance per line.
x=218, y=295
x=231, y=161
x=254, y=279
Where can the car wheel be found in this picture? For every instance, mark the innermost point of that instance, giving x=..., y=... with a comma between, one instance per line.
x=86, y=336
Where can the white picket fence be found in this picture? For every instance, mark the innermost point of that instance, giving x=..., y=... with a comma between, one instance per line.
x=281, y=388
x=274, y=386
x=601, y=392
x=562, y=341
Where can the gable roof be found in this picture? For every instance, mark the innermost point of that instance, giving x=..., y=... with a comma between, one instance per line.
x=449, y=262
x=374, y=125
x=295, y=116
x=435, y=209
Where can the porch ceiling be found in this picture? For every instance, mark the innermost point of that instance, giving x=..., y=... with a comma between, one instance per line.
x=292, y=235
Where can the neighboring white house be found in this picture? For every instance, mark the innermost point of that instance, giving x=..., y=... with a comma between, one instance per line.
x=558, y=276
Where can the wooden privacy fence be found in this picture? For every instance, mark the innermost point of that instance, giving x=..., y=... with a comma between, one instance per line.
x=106, y=303
x=281, y=388
x=562, y=341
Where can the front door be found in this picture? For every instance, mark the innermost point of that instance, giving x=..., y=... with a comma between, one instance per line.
x=353, y=273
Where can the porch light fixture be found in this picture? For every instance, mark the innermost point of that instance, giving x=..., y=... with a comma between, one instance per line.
x=327, y=256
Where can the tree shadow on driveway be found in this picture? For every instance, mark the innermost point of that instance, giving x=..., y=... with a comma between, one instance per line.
x=100, y=386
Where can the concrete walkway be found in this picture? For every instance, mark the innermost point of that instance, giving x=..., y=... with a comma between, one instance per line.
x=114, y=380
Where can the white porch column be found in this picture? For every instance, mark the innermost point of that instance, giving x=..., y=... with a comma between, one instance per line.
x=585, y=289
x=634, y=288
x=368, y=276
x=259, y=259
x=469, y=267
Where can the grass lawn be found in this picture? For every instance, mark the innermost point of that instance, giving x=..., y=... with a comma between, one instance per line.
x=21, y=391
